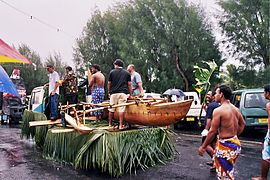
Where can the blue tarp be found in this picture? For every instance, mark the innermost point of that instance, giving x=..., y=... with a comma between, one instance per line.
x=6, y=85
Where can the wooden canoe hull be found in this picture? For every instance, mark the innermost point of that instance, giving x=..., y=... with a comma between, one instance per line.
x=161, y=114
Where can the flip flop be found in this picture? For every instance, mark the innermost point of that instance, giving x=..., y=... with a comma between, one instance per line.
x=213, y=169
x=211, y=163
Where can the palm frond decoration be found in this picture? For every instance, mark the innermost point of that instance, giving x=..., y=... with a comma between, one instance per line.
x=28, y=116
x=38, y=133
x=26, y=131
x=202, y=77
x=60, y=146
x=115, y=153
x=41, y=135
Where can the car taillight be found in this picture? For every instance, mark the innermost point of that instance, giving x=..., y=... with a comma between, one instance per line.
x=22, y=93
x=8, y=95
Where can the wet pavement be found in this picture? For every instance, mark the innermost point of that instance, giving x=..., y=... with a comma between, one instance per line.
x=20, y=159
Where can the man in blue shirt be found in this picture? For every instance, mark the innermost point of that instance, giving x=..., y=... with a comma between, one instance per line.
x=137, y=89
x=208, y=117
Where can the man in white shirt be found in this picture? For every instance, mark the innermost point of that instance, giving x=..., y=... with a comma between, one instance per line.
x=53, y=91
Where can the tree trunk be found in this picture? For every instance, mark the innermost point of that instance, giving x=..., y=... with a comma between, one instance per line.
x=180, y=70
x=266, y=61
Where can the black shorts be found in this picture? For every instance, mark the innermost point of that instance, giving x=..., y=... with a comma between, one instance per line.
x=203, y=139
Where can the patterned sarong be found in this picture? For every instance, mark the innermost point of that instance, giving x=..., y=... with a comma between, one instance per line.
x=266, y=148
x=98, y=97
x=226, y=153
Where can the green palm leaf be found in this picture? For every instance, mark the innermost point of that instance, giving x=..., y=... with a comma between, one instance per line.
x=38, y=133
x=115, y=153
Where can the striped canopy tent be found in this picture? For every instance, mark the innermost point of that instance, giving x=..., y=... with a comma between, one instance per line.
x=11, y=55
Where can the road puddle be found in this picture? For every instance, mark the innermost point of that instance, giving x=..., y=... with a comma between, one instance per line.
x=10, y=156
x=3, y=163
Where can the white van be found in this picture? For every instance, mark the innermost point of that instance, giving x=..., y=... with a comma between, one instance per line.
x=36, y=102
x=151, y=95
x=193, y=116
x=196, y=106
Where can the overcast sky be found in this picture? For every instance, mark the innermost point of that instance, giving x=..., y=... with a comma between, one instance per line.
x=69, y=16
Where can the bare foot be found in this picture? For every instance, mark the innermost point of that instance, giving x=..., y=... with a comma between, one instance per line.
x=123, y=127
x=257, y=178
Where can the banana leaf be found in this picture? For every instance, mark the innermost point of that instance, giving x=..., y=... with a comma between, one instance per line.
x=202, y=77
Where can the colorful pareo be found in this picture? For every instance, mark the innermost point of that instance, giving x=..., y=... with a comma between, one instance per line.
x=266, y=148
x=226, y=153
x=98, y=97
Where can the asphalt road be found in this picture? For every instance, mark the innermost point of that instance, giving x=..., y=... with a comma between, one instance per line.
x=20, y=159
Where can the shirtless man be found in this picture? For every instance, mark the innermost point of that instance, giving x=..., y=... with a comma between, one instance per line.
x=97, y=83
x=228, y=123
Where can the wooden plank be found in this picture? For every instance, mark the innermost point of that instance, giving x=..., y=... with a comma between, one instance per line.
x=68, y=105
x=107, y=107
x=102, y=108
x=108, y=128
x=44, y=123
x=79, y=127
x=63, y=130
x=91, y=118
x=157, y=102
x=67, y=125
x=105, y=103
x=116, y=129
x=154, y=99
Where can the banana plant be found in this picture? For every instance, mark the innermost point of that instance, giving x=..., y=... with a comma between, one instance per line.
x=202, y=77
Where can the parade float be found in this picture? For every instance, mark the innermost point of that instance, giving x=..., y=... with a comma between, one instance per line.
x=86, y=144
x=78, y=139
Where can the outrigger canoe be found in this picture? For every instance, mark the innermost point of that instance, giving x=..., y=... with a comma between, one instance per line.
x=150, y=112
x=156, y=114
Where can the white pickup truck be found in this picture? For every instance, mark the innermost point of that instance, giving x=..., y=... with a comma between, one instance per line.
x=192, y=117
